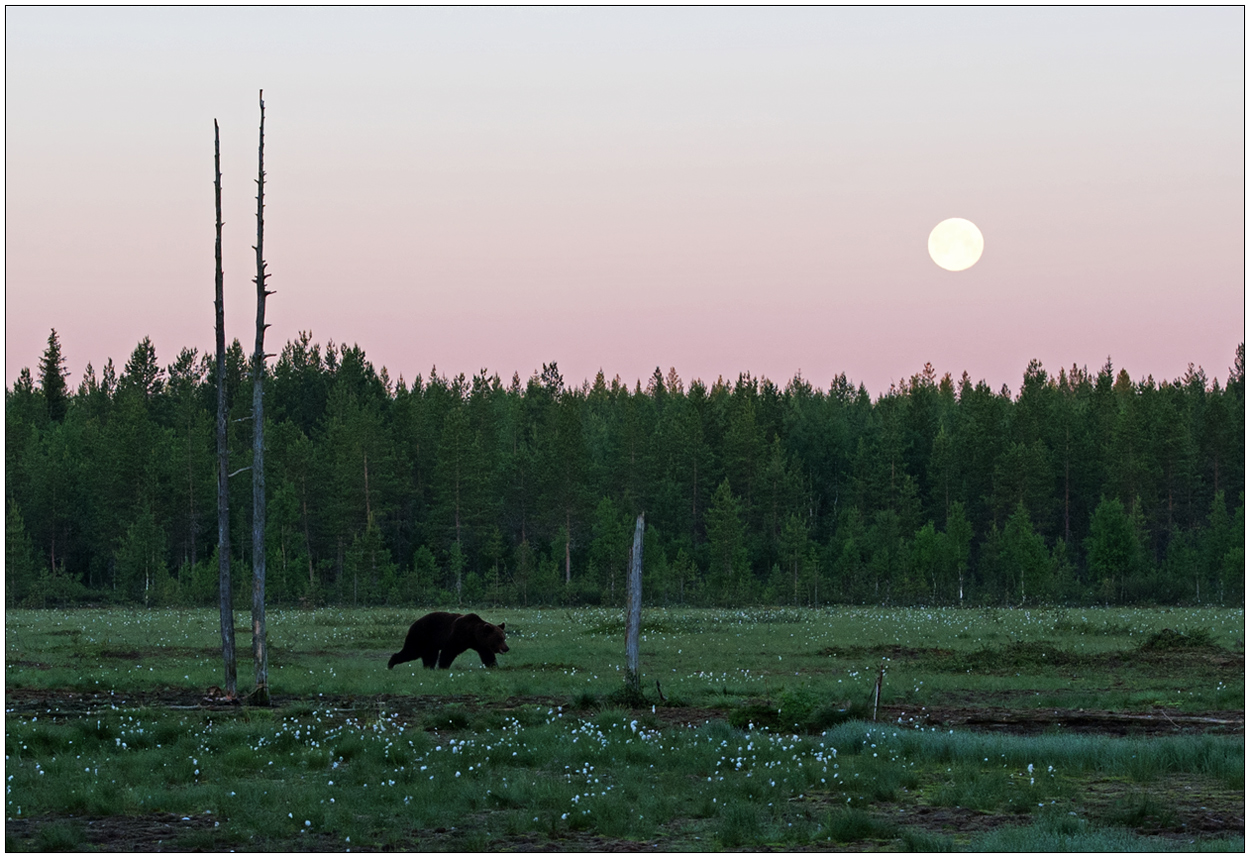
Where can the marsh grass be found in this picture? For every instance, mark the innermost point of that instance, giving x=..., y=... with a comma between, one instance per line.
x=1069, y=834
x=400, y=753
x=851, y=825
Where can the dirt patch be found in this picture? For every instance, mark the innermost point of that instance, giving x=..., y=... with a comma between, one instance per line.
x=153, y=832
x=571, y=841
x=1001, y=719
x=37, y=665
x=951, y=821
x=984, y=716
x=1167, y=651
x=70, y=703
x=687, y=716
x=1182, y=806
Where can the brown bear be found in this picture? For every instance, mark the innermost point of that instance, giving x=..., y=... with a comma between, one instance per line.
x=440, y=637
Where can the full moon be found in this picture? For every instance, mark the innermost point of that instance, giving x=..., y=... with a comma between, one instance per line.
x=956, y=244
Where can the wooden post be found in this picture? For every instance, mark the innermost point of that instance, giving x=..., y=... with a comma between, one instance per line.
x=876, y=693
x=260, y=651
x=633, y=617
x=223, y=455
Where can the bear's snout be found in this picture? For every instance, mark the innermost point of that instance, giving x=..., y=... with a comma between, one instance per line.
x=503, y=647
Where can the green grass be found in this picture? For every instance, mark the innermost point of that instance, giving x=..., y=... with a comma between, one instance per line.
x=542, y=752
x=1069, y=834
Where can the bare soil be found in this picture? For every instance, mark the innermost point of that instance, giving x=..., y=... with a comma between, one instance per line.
x=983, y=712
x=153, y=832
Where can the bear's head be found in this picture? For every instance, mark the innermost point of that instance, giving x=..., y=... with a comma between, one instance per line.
x=492, y=638
x=486, y=637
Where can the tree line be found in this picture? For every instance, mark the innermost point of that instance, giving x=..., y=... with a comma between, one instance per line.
x=1081, y=487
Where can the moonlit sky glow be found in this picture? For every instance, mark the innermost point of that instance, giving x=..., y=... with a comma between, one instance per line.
x=716, y=190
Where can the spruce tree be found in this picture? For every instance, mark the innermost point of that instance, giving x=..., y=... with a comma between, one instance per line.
x=52, y=379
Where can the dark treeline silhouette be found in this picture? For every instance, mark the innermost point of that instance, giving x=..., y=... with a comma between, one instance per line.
x=1078, y=488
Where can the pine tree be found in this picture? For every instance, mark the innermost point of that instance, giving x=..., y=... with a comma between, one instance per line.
x=21, y=569
x=795, y=550
x=459, y=482
x=1217, y=541
x=609, y=550
x=728, y=573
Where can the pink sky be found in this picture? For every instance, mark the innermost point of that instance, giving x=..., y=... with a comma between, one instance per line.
x=715, y=190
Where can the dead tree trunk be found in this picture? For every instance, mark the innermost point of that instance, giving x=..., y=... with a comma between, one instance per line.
x=633, y=619
x=260, y=652
x=223, y=455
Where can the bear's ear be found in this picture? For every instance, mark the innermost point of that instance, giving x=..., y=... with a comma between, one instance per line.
x=501, y=625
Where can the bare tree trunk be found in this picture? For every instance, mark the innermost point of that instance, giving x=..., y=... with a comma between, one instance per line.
x=312, y=580
x=633, y=619
x=260, y=651
x=223, y=454
x=694, y=505
x=1067, y=484
x=368, y=505
x=190, y=503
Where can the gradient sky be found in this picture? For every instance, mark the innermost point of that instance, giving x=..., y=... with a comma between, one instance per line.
x=714, y=190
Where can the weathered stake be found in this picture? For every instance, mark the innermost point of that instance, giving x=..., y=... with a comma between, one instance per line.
x=633, y=617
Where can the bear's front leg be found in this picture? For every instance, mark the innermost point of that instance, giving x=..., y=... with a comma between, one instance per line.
x=447, y=656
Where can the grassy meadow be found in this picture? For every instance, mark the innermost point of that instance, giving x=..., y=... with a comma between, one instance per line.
x=1076, y=729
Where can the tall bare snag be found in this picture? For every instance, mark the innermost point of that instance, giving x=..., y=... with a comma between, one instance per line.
x=223, y=495
x=260, y=651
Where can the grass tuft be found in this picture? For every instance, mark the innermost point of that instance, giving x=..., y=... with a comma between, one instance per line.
x=1167, y=640
x=739, y=825
x=60, y=836
x=851, y=825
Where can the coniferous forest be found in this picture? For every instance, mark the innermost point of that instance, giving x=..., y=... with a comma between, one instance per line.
x=1077, y=488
